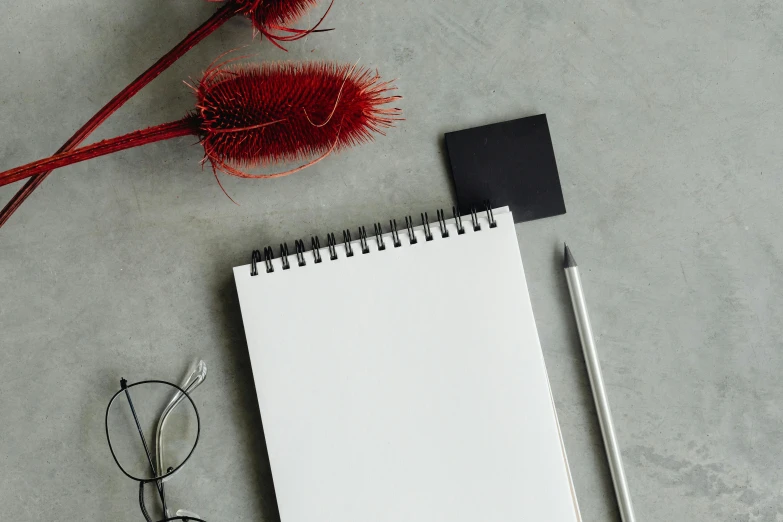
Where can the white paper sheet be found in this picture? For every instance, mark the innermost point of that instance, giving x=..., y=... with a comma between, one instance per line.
x=407, y=384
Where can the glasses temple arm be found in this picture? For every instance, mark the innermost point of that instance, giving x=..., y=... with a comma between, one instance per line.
x=191, y=382
x=141, y=503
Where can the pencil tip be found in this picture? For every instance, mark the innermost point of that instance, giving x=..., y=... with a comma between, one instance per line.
x=568, y=258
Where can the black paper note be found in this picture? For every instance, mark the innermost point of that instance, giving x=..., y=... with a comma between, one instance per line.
x=510, y=163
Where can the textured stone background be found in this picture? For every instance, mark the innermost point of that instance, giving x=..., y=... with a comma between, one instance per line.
x=665, y=117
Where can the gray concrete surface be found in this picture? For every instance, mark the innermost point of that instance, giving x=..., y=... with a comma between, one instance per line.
x=666, y=119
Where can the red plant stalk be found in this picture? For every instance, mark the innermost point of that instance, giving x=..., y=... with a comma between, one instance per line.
x=257, y=115
x=267, y=18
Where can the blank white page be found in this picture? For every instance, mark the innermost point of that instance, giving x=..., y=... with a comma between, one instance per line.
x=406, y=384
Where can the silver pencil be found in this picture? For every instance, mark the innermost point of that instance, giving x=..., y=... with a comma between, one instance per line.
x=597, y=384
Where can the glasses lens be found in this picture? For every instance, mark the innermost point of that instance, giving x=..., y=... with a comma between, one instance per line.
x=155, y=415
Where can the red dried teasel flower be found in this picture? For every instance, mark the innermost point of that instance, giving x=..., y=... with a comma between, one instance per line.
x=272, y=18
x=257, y=115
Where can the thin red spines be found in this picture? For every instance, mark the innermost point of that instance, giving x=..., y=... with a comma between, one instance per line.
x=272, y=13
x=258, y=115
x=272, y=18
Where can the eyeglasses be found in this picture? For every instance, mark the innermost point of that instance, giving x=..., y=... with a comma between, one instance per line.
x=166, y=410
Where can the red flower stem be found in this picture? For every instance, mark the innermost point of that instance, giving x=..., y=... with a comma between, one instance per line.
x=188, y=126
x=220, y=17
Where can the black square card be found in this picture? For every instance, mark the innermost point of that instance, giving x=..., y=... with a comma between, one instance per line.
x=510, y=163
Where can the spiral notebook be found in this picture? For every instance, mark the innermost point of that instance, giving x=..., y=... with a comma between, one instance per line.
x=400, y=376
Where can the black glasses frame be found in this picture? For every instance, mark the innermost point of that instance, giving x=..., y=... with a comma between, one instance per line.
x=158, y=480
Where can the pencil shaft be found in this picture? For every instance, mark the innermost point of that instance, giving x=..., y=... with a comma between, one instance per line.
x=599, y=394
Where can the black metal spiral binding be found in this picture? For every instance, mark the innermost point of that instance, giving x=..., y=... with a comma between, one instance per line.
x=394, y=233
x=458, y=221
x=315, y=243
x=425, y=222
x=255, y=258
x=379, y=236
x=490, y=216
x=474, y=219
x=347, y=242
x=332, y=246
x=284, y=256
x=409, y=226
x=363, y=240
x=300, y=250
x=444, y=232
x=269, y=255
x=331, y=241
